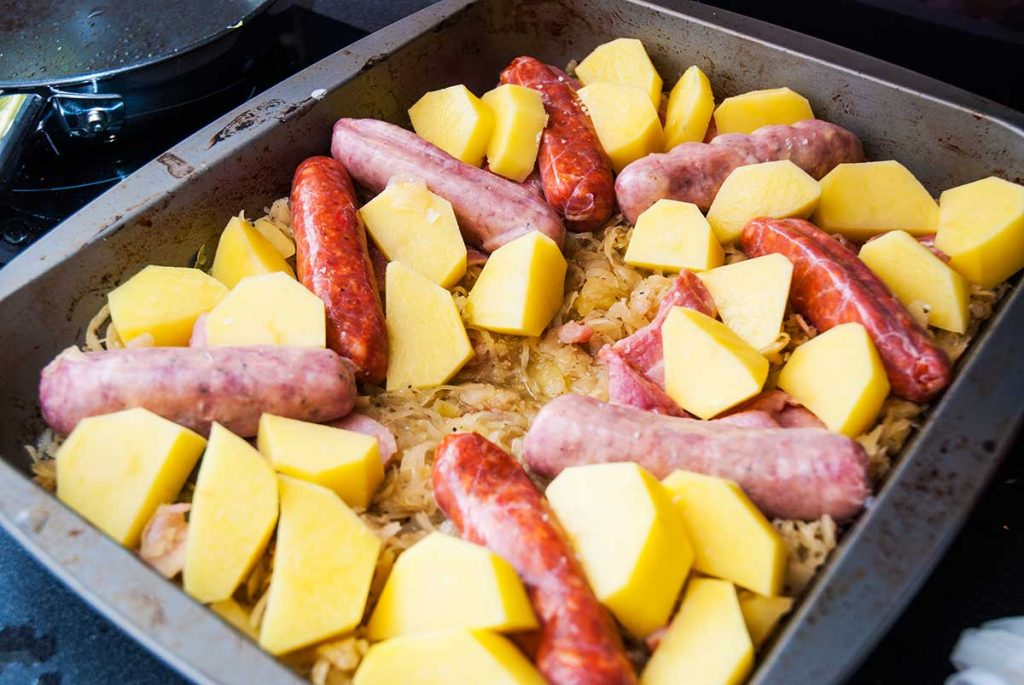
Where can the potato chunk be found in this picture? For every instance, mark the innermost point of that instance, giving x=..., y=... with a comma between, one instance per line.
x=708, y=368
x=838, y=376
x=690, y=105
x=234, y=509
x=914, y=274
x=707, y=643
x=520, y=287
x=414, y=226
x=272, y=309
x=427, y=341
x=673, y=235
x=233, y=612
x=776, y=190
x=627, y=124
x=163, y=302
x=116, y=469
x=346, y=462
x=454, y=120
x=731, y=538
x=750, y=111
x=867, y=198
x=762, y=614
x=623, y=60
x=323, y=563
x=444, y=658
x=751, y=296
x=519, y=119
x=981, y=228
x=445, y=583
x=628, y=537
x=243, y=251
x=275, y=236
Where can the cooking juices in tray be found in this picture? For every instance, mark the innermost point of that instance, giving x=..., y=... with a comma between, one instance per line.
x=644, y=355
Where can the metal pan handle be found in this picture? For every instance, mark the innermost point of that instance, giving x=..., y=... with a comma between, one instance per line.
x=19, y=115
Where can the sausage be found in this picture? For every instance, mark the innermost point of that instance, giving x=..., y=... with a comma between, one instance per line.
x=575, y=171
x=693, y=172
x=195, y=386
x=629, y=388
x=798, y=473
x=334, y=263
x=831, y=286
x=491, y=210
x=642, y=350
x=780, y=407
x=491, y=500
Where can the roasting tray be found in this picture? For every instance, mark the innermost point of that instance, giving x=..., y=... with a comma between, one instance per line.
x=166, y=210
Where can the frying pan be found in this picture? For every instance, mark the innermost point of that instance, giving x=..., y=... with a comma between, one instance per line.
x=86, y=70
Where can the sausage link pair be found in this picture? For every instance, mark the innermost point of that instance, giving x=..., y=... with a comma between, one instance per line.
x=334, y=263
x=832, y=286
x=574, y=168
x=492, y=502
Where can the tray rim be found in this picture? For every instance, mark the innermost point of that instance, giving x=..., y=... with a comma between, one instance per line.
x=140, y=190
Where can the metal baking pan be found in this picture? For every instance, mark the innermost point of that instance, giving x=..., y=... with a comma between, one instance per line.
x=165, y=211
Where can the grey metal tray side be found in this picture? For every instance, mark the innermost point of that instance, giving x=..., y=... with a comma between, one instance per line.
x=165, y=211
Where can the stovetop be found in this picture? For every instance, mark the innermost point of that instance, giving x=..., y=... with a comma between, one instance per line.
x=49, y=636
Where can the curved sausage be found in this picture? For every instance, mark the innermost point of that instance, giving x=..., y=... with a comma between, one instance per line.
x=693, y=172
x=643, y=350
x=334, y=263
x=491, y=210
x=832, y=286
x=492, y=502
x=574, y=168
x=630, y=388
x=195, y=386
x=798, y=473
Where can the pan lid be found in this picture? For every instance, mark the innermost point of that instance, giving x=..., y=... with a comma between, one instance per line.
x=51, y=42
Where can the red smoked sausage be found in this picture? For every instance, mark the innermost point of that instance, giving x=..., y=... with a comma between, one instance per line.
x=832, y=286
x=574, y=168
x=334, y=263
x=492, y=501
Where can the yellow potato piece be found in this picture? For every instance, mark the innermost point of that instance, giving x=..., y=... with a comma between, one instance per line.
x=708, y=368
x=454, y=120
x=673, y=235
x=427, y=341
x=446, y=658
x=914, y=274
x=414, y=226
x=275, y=236
x=762, y=614
x=731, y=538
x=776, y=190
x=751, y=296
x=233, y=612
x=627, y=124
x=981, y=228
x=707, y=643
x=163, y=302
x=628, y=537
x=343, y=461
x=690, y=106
x=243, y=251
x=445, y=583
x=519, y=119
x=272, y=309
x=323, y=564
x=520, y=287
x=116, y=469
x=234, y=509
x=623, y=60
x=864, y=199
x=750, y=111
x=839, y=376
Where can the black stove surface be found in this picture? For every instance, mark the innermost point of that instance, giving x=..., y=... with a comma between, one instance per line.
x=48, y=636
